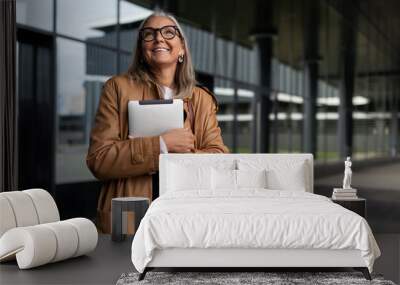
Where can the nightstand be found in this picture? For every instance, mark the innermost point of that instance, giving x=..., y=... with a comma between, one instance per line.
x=358, y=205
x=125, y=210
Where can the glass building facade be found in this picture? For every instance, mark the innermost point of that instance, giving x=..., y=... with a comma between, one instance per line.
x=351, y=63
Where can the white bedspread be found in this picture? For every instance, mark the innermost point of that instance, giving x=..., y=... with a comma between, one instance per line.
x=250, y=219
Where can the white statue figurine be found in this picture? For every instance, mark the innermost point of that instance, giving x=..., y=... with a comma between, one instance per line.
x=347, y=174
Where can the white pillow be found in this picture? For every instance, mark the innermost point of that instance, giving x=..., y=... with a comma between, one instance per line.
x=282, y=174
x=251, y=178
x=228, y=179
x=223, y=179
x=295, y=180
x=184, y=177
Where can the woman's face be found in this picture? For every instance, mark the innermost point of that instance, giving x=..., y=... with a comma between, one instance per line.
x=161, y=52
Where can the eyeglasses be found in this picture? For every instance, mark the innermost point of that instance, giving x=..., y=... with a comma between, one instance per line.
x=167, y=32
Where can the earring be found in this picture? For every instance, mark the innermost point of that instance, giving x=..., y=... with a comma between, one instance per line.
x=180, y=58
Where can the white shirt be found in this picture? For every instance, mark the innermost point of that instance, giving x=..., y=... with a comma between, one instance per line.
x=168, y=93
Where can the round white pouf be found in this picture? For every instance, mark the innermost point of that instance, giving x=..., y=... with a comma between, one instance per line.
x=33, y=246
x=67, y=240
x=41, y=244
x=45, y=205
x=87, y=235
x=23, y=208
x=6, y=215
x=31, y=232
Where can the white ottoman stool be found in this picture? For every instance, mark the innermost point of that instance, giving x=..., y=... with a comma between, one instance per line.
x=31, y=231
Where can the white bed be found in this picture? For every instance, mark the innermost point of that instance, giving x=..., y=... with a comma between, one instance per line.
x=215, y=211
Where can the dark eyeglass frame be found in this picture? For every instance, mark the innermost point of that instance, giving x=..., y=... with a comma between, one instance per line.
x=176, y=29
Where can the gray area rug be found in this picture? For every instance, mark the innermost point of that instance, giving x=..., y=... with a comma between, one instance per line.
x=229, y=278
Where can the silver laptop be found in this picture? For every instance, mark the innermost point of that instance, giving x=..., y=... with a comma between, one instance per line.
x=154, y=117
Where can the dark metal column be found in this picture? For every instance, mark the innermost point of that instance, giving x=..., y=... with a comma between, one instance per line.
x=8, y=98
x=262, y=35
x=346, y=90
x=311, y=47
x=264, y=45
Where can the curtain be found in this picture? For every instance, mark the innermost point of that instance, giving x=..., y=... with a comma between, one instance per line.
x=8, y=97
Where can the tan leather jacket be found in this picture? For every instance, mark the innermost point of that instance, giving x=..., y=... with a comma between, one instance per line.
x=124, y=165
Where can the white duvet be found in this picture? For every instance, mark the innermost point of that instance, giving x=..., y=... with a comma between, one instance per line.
x=250, y=219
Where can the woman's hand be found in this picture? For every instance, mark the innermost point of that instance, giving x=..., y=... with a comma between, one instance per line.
x=179, y=140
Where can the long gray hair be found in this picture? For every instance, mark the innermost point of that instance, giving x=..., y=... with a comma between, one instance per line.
x=141, y=72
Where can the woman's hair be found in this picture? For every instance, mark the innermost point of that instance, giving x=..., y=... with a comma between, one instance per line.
x=140, y=70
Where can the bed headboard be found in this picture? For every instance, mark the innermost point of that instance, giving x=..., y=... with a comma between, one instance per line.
x=281, y=163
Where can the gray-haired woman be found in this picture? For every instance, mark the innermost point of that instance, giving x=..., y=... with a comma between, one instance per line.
x=161, y=69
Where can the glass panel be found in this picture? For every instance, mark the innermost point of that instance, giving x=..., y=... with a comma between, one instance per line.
x=361, y=102
x=82, y=70
x=325, y=86
x=377, y=117
x=201, y=45
x=125, y=60
x=223, y=26
x=35, y=112
x=246, y=119
x=331, y=124
x=247, y=66
x=328, y=95
x=223, y=91
x=89, y=20
x=131, y=16
x=38, y=13
x=294, y=112
x=287, y=108
x=273, y=123
x=287, y=105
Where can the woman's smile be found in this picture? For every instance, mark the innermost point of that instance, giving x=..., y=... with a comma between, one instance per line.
x=160, y=49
